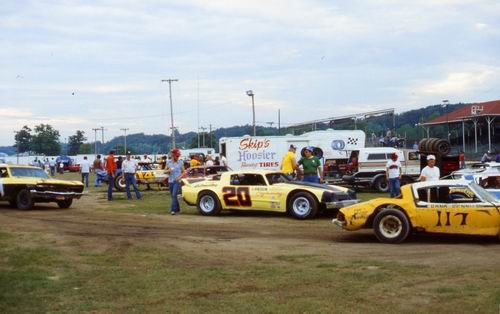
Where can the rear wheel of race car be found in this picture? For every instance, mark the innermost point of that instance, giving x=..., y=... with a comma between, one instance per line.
x=120, y=183
x=65, y=204
x=302, y=205
x=24, y=200
x=208, y=204
x=391, y=226
x=381, y=184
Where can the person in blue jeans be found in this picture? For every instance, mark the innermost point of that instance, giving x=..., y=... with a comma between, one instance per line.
x=393, y=175
x=129, y=168
x=175, y=170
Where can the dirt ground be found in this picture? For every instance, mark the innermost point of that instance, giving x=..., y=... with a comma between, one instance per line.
x=235, y=236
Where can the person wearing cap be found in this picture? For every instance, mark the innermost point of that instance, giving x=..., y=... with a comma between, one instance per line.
x=129, y=168
x=311, y=166
x=430, y=172
x=176, y=171
x=393, y=175
x=110, y=169
x=289, y=163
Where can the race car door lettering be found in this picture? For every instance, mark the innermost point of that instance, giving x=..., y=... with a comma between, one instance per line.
x=239, y=196
x=447, y=220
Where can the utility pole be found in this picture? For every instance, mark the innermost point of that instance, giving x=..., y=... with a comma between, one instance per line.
x=202, y=128
x=198, y=106
x=210, y=136
x=279, y=122
x=125, y=138
x=446, y=103
x=95, y=141
x=17, y=146
x=102, y=135
x=171, y=108
x=251, y=94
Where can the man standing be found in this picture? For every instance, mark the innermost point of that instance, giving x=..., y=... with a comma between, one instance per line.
x=209, y=161
x=289, y=163
x=97, y=166
x=85, y=170
x=393, y=175
x=52, y=166
x=110, y=169
x=175, y=170
x=223, y=160
x=129, y=168
x=311, y=166
x=194, y=161
x=461, y=159
x=430, y=172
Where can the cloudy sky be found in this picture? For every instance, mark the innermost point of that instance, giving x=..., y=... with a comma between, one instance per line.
x=85, y=64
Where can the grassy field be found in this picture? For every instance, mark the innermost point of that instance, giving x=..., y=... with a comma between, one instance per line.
x=44, y=272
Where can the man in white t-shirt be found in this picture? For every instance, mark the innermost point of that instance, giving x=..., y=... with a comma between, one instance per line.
x=430, y=172
x=223, y=160
x=85, y=170
x=393, y=175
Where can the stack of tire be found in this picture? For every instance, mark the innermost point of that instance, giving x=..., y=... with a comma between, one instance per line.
x=435, y=146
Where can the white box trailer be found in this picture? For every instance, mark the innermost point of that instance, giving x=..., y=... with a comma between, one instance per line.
x=267, y=152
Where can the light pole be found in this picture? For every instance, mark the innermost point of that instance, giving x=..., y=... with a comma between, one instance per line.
x=125, y=138
x=251, y=94
x=171, y=108
x=445, y=104
x=17, y=146
x=95, y=141
x=202, y=128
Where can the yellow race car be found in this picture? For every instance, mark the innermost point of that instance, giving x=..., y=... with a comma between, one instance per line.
x=445, y=206
x=23, y=186
x=264, y=190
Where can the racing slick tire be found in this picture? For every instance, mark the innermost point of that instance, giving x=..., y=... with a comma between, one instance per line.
x=120, y=183
x=302, y=205
x=391, y=226
x=208, y=204
x=65, y=204
x=24, y=200
x=381, y=184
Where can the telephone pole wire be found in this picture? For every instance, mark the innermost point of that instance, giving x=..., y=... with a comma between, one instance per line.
x=171, y=108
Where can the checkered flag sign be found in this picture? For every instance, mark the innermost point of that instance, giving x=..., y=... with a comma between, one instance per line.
x=352, y=141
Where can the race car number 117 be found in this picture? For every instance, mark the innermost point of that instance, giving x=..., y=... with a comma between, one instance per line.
x=236, y=196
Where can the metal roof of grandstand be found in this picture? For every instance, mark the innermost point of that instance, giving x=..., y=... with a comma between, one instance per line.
x=469, y=112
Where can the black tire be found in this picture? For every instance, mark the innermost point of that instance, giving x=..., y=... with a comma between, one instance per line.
x=24, y=200
x=208, y=204
x=391, y=226
x=302, y=205
x=65, y=204
x=120, y=183
x=381, y=184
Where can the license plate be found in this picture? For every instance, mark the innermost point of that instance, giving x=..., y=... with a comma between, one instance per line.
x=60, y=198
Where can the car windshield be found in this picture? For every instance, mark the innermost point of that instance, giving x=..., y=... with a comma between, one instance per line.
x=483, y=194
x=28, y=172
x=277, y=177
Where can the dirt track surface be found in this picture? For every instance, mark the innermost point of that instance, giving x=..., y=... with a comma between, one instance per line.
x=241, y=236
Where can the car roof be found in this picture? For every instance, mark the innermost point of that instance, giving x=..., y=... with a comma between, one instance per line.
x=424, y=184
x=262, y=172
x=19, y=166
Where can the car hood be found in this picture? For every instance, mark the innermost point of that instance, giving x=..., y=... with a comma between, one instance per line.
x=50, y=181
x=326, y=187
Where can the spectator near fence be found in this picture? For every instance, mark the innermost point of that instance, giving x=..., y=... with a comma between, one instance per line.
x=97, y=166
x=129, y=168
x=111, y=169
x=85, y=171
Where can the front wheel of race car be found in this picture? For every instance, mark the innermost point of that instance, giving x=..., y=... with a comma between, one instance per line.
x=391, y=226
x=65, y=204
x=24, y=200
x=302, y=205
x=208, y=204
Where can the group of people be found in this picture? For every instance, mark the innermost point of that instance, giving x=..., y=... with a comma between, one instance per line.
x=308, y=167
x=197, y=160
x=49, y=165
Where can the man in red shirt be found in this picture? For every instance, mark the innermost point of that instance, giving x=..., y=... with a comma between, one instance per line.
x=110, y=169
